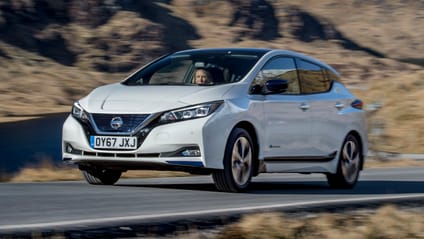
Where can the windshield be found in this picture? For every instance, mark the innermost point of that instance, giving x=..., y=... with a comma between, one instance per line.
x=196, y=68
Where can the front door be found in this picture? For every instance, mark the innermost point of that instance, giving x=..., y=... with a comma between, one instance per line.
x=288, y=127
x=286, y=119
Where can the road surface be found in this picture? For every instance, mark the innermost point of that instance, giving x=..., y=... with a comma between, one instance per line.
x=77, y=204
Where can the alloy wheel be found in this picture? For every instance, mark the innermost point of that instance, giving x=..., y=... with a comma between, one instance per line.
x=241, y=161
x=350, y=160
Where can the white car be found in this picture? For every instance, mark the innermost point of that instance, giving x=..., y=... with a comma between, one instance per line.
x=259, y=110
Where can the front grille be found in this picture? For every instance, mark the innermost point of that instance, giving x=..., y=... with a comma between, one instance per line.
x=129, y=122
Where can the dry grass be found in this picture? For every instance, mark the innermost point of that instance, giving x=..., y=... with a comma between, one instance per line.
x=400, y=87
x=401, y=115
x=375, y=163
x=388, y=222
x=47, y=171
x=31, y=84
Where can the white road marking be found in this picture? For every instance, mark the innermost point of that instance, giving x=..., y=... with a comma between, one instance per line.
x=96, y=221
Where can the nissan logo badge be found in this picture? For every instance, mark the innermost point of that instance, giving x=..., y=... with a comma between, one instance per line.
x=116, y=122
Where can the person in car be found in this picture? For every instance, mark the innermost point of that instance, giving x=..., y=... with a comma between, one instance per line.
x=202, y=77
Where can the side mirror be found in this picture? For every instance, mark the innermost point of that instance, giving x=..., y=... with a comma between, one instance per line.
x=256, y=89
x=276, y=86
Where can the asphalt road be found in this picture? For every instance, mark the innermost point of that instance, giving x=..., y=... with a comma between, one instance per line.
x=28, y=142
x=56, y=204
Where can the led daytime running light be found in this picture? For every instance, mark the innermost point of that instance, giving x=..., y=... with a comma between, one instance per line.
x=78, y=112
x=193, y=112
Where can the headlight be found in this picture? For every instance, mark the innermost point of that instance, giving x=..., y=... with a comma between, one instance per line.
x=78, y=112
x=192, y=112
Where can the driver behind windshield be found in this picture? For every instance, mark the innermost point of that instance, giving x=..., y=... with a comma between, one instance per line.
x=202, y=77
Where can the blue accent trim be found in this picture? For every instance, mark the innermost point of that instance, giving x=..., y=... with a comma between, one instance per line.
x=186, y=163
x=92, y=141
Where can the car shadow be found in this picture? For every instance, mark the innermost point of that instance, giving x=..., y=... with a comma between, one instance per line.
x=186, y=186
x=303, y=187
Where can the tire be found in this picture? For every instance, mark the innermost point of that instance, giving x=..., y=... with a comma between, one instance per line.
x=349, y=165
x=103, y=177
x=238, y=163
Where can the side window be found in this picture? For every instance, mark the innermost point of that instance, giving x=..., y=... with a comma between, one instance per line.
x=279, y=68
x=312, y=78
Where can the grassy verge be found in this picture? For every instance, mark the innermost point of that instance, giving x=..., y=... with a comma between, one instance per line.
x=376, y=163
x=387, y=222
x=48, y=171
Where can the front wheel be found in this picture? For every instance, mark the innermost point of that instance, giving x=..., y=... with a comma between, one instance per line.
x=101, y=177
x=348, y=166
x=238, y=162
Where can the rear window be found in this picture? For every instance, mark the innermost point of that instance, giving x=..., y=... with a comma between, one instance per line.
x=313, y=78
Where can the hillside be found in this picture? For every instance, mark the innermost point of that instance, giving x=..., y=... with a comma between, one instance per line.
x=54, y=52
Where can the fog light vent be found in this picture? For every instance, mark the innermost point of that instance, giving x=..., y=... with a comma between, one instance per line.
x=71, y=150
x=189, y=151
x=192, y=152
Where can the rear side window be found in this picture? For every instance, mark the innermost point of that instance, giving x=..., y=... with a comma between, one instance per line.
x=332, y=76
x=312, y=78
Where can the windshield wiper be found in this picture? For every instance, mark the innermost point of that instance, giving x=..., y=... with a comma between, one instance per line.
x=171, y=83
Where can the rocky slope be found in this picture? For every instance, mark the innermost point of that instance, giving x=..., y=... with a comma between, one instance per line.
x=55, y=51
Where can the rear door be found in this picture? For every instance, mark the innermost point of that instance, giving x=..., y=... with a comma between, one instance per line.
x=324, y=107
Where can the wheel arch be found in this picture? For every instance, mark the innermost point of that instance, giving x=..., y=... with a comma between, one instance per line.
x=250, y=128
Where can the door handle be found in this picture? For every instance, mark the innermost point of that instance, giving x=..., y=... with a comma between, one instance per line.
x=304, y=106
x=339, y=105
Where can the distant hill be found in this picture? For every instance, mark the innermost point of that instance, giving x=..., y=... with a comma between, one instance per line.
x=53, y=52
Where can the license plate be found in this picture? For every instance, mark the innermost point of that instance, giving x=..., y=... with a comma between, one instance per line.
x=113, y=142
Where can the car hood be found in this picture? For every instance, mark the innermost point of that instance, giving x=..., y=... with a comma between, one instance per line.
x=119, y=98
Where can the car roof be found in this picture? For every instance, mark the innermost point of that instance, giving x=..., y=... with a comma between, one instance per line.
x=259, y=52
x=250, y=51
x=305, y=57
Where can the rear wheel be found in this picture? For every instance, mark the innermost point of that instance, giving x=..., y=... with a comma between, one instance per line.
x=101, y=177
x=348, y=166
x=238, y=162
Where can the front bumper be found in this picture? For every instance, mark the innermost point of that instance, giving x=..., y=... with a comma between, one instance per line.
x=165, y=147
